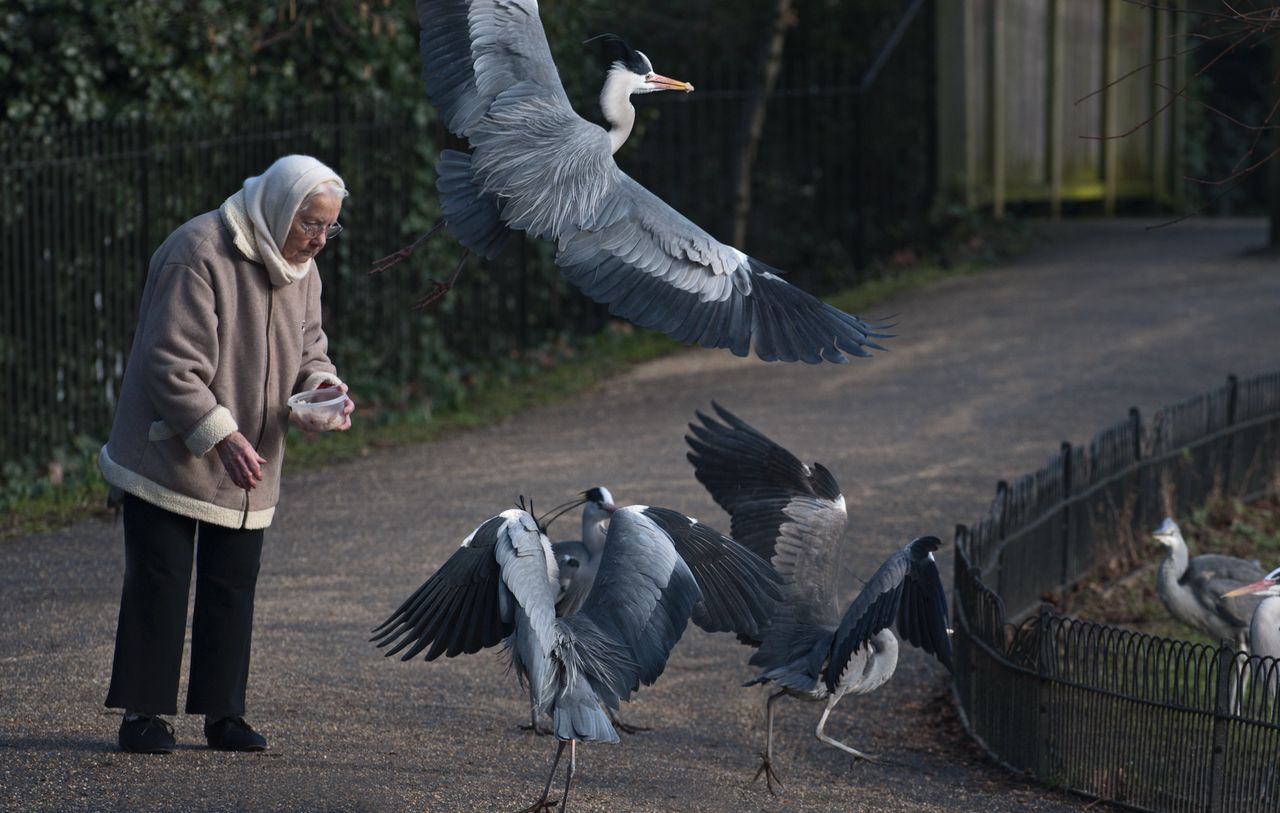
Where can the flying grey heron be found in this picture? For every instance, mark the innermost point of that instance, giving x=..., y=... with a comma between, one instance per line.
x=1194, y=589
x=536, y=166
x=794, y=515
x=503, y=581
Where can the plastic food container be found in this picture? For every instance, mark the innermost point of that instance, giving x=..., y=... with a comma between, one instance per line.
x=319, y=410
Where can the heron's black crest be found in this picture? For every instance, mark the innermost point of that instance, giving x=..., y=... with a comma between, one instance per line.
x=615, y=49
x=594, y=495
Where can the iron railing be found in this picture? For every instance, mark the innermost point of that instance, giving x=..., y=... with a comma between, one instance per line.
x=1150, y=723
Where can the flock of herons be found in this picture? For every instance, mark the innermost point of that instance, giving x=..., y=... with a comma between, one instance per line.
x=588, y=622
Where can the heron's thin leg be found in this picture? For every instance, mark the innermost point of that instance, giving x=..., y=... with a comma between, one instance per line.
x=542, y=803
x=439, y=289
x=766, y=765
x=533, y=718
x=829, y=741
x=573, y=768
x=392, y=260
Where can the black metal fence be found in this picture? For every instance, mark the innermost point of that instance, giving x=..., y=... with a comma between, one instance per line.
x=1151, y=723
x=837, y=181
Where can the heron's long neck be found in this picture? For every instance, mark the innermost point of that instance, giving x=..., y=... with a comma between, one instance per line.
x=1176, y=563
x=615, y=103
x=595, y=522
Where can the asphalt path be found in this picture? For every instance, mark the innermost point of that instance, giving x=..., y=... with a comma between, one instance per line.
x=989, y=372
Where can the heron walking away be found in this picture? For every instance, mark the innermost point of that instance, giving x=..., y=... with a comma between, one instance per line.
x=794, y=515
x=1195, y=590
x=503, y=581
x=536, y=166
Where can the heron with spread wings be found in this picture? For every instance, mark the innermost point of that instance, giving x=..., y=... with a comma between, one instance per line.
x=536, y=166
x=794, y=516
x=657, y=571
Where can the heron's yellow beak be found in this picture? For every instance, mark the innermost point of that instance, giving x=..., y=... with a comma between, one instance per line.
x=667, y=83
x=1256, y=587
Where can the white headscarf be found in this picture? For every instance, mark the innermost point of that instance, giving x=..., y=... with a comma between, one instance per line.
x=261, y=214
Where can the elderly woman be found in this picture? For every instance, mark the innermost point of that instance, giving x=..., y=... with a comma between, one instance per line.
x=229, y=329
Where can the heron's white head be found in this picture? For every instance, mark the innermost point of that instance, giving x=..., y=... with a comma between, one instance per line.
x=599, y=505
x=632, y=70
x=1269, y=585
x=1168, y=534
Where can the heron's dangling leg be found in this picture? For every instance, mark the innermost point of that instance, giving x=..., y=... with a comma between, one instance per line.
x=542, y=804
x=439, y=289
x=533, y=721
x=829, y=741
x=392, y=260
x=766, y=764
x=625, y=728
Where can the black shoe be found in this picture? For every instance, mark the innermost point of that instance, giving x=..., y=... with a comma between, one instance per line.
x=146, y=735
x=233, y=734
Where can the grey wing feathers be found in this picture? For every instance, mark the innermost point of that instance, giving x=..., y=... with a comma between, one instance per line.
x=1213, y=575
x=655, y=267
x=642, y=598
x=456, y=610
x=740, y=590
x=791, y=514
x=906, y=590
x=472, y=50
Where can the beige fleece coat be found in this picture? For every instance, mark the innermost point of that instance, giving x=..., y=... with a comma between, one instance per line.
x=217, y=348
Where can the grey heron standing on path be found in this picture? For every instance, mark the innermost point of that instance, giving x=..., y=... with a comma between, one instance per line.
x=502, y=583
x=794, y=515
x=536, y=166
x=1194, y=590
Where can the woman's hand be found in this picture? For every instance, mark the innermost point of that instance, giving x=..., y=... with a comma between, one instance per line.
x=347, y=408
x=241, y=460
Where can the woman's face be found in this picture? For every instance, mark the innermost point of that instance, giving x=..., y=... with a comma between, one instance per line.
x=307, y=233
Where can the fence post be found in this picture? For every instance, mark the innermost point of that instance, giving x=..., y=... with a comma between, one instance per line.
x=1066, y=513
x=1045, y=651
x=1221, y=713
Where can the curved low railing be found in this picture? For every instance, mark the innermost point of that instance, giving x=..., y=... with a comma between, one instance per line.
x=1151, y=723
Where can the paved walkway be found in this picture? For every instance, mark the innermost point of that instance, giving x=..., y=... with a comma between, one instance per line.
x=989, y=373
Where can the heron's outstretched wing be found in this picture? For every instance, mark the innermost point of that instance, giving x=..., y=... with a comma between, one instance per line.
x=472, y=601
x=655, y=267
x=740, y=590
x=789, y=513
x=906, y=590
x=473, y=50
x=641, y=602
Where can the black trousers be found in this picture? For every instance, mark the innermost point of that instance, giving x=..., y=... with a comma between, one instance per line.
x=158, y=549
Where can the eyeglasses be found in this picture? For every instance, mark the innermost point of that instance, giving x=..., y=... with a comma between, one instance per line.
x=314, y=230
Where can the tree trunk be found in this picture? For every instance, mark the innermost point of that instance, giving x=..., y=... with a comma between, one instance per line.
x=783, y=18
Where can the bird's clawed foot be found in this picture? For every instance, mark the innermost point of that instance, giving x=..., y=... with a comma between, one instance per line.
x=543, y=804
x=394, y=259
x=627, y=728
x=438, y=288
x=541, y=731
x=437, y=292
x=770, y=775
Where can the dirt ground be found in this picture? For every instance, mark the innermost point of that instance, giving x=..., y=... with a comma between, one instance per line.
x=989, y=372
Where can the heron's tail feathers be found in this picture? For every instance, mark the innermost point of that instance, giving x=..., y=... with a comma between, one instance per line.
x=577, y=713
